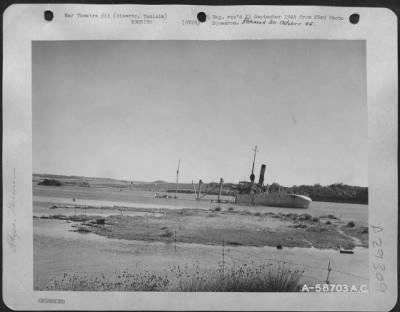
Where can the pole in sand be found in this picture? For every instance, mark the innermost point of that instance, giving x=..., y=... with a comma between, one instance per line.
x=175, y=238
x=177, y=179
x=147, y=228
x=223, y=258
x=329, y=271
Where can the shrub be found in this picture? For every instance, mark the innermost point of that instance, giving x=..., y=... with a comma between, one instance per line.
x=317, y=228
x=363, y=230
x=329, y=216
x=50, y=182
x=167, y=233
x=217, y=209
x=315, y=219
x=83, y=229
x=299, y=226
x=257, y=214
x=350, y=224
x=230, y=208
x=245, y=213
x=233, y=243
x=125, y=281
x=328, y=222
x=265, y=214
x=304, y=217
x=269, y=277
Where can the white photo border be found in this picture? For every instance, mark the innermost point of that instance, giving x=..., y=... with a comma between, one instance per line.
x=24, y=23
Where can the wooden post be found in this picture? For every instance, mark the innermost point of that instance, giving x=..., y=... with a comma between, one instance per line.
x=223, y=258
x=329, y=271
x=147, y=228
x=221, y=181
x=195, y=193
x=177, y=179
x=175, y=239
x=199, y=193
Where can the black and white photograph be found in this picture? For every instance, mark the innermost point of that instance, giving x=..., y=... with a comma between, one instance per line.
x=200, y=158
x=200, y=166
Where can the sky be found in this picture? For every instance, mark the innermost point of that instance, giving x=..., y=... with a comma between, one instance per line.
x=132, y=109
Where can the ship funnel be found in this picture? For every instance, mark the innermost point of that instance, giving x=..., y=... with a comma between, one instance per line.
x=262, y=172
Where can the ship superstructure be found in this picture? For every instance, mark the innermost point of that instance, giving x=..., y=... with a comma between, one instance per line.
x=258, y=194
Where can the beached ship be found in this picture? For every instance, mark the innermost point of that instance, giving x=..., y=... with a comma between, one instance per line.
x=275, y=199
x=251, y=193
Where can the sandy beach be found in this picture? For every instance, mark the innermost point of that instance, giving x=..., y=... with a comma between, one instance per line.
x=133, y=232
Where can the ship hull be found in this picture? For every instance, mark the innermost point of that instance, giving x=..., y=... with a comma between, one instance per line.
x=274, y=200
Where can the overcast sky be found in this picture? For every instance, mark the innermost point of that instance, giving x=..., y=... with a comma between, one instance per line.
x=132, y=109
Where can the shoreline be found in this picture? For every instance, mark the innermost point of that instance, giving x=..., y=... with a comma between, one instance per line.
x=218, y=226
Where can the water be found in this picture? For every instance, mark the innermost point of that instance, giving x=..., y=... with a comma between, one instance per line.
x=45, y=197
x=57, y=250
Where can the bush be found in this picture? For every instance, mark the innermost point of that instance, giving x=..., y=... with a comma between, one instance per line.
x=329, y=216
x=315, y=219
x=83, y=229
x=230, y=208
x=269, y=277
x=217, y=209
x=144, y=281
x=317, y=228
x=305, y=216
x=363, y=230
x=50, y=182
x=167, y=233
x=245, y=213
x=265, y=214
x=257, y=214
x=328, y=222
x=350, y=224
x=299, y=226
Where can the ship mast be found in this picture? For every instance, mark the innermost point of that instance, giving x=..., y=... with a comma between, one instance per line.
x=177, y=178
x=252, y=176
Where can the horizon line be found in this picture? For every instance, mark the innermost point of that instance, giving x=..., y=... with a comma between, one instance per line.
x=195, y=182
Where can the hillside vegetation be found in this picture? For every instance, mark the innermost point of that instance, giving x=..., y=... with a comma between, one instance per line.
x=337, y=192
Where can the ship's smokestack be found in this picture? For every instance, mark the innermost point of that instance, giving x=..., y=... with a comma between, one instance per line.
x=262, y=172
